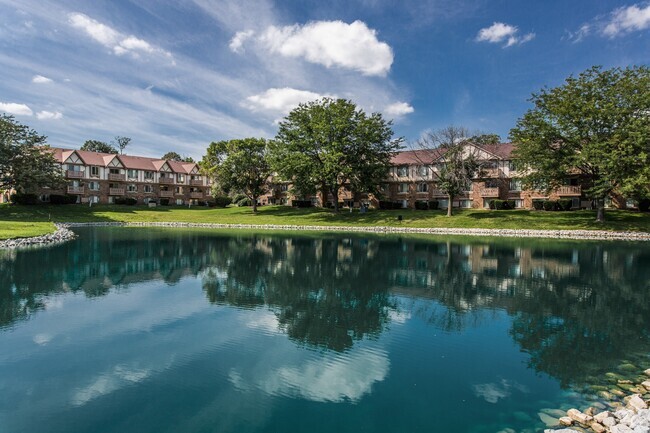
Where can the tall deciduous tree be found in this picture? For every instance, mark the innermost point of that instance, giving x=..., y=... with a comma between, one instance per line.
x=174, y=156
x=121, y=143
x=26, y=164
x=455, y=158
x=329, y=144
x=98, y=146
x=596, y=125
x=239, y=166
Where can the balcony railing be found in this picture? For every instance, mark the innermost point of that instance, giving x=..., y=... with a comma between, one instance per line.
x=569, y=190
x=196, y=182
x=166, y=180
x=75, y=190
x=490, y=192
x=115, y=176
x=438, y=193
x=74, y=174
x=167, y=193
x=116, y=191
x=196, y=195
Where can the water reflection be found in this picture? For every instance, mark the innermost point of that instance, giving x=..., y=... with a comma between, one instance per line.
x=576, y=308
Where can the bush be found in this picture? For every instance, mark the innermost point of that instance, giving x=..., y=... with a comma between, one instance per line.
x=538, y=204
x=130, y=201
x=511, y=204
x=238, y=197
x=62, y=199
x=19, y=198
x=245, y=202
x=389, y=205
x=301, y=203
x=164, y=202
x=551, y=205
x=220, y=201
x=434, y=205
x=565, y=204
x=422, y=205
x=644, y=205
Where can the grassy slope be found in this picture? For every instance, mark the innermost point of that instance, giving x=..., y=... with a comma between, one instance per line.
x=24, y=221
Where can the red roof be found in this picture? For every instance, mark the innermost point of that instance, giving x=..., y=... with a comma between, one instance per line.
x=428, y=156
x=128, y=161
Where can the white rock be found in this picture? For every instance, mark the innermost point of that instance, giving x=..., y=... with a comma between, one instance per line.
x=609, y=422
x=599, y=417
x=646, y=384
x=637, y=402
x=620, y=428
x=578, y=416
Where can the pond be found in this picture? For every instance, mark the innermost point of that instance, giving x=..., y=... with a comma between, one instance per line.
x=175, y=330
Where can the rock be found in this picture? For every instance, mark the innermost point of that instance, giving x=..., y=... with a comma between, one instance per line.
x=620, y=428
x=598, y=405
x=599, y=417
x=609, y=421
x=589, y=411
x=647, y=372
x=606, y=395
x=555, y=413
x=637, y=402
x=548, y=420
x=564, y=430
x=617, y=392
x=646, y=384
x=597, y=427
x=627, y=367
x=625, y=381
x=566, y=421
x=578, y=416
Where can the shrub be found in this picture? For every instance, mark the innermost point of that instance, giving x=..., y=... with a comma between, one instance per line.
x=434, y=205
x=511, y=204
x=245, y=202
x=19, y=198
x=644, y=205
x=220, y=201
x=421, y=205
x=389, y=205
x=565, y=204
x=498, y=204
x=238, y=197
x=164, y=202
x=301, y=203
x=62, y=199
x=538, y=204
x=551, y=205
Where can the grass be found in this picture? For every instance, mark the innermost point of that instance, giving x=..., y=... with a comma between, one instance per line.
x=23, y=221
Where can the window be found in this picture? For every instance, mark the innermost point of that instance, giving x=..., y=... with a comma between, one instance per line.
x=465, y=204
x=148, y=175
x=423, y=170
x=148, y=189
x=94, y=171
x=45, y=198
x=519, y=203
x=488, y=165
x=180, y=178
x=93, y=186
x=114, y=171
x=515, y=184
x=512, y=165
x=443, y=204
x=284, y=188
x=402, y=171
x=133, y=174
x=132, y=188
x=423, y=187
x=178, y=190
x=403, y=188
x=486, y=203
x=179, y=201
x=111, y=199
x=93, y=199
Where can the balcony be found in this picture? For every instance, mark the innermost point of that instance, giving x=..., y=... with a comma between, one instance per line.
x=166, y=180
x=570, y=190
x=196, y=182
x=168, y=194
x=75, y=190
x=115, y=176
x=71, y=174
x=438, y=193
x=116, y=191
x=196, y=195
x=490, y=192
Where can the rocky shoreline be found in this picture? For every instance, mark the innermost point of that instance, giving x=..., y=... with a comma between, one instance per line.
x=63, y=233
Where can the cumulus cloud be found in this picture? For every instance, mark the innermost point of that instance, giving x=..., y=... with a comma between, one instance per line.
x=39, y=79
x=236, y=44
x=49, y=115
x=15, y=109
x=332, y=44
x=280, y=100
x=628, y=19
x=107, y=36
x=398, y=109
x=501, y=32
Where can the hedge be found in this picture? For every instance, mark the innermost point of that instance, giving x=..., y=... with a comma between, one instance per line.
x=497, y=204
x=389, y=205
x=422, y=205
x=301, y=203
x=434, y=205
x=130, y=201
x=644, y=205
x=220, y=201
x=538, y=204
x=164, y=202
x=62, y=199
x=18, y=198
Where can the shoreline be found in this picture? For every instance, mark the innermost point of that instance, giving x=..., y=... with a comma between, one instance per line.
x=64, y=234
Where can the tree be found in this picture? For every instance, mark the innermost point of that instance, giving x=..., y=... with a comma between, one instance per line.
x=239, y=166
x=121, y=143
x=482, y=139
x=457, y=160
x=329, y=144
x=98, y=146
x=26, y=164
x=173, y=156
x=596, y=125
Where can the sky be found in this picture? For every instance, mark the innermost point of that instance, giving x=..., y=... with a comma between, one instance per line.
x=176, y=75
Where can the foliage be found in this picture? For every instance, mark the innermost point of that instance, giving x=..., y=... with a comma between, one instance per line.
x=222, y=201
x=434, y=205
x=121, y=143
x=390, y=205
x=174, y=156
x=497, y=204
x=644, y=205
x=98, y=146
x=301, y=203
x=482, y=139
x=596, y=125
x=421, y=205
x=330, y=144
x=130, y=201
x=240, y=166
x=238, y=198
x=62, y=199
x=538, y=204
x=26, y=164
x=26, y=199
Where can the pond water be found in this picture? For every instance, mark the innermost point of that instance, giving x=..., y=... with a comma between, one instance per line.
x=165, y=330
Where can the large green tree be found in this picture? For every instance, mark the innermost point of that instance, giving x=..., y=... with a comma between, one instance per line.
x=26, y=164
x=98, y=146
x=329, y=144
x=595, y=125
x=174, y=156
x=239, y=166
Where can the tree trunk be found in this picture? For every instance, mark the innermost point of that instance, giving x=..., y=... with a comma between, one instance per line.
x=335, y=196
x=254, y=203
x=600, y=213
x=450, y=203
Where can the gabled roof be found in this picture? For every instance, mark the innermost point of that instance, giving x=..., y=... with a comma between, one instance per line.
x=178, y=167
x=128, y=161
x=429, y=156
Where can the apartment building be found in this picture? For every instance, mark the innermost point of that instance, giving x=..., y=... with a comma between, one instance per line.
x=101, y=178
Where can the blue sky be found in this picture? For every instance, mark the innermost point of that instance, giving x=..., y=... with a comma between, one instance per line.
x=176, y=75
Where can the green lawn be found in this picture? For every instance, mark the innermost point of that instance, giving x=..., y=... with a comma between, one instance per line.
x=21, y=221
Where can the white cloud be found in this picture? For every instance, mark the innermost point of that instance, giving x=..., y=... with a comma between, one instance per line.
x=105, y=35
x=628, y=19
x=39, y=79
x=280, y=100
x=501, y=32
x=398, y=109
x=15, y=109
x=237, y=41
x=332, y=43
x=580, y=34
x=49, y=115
